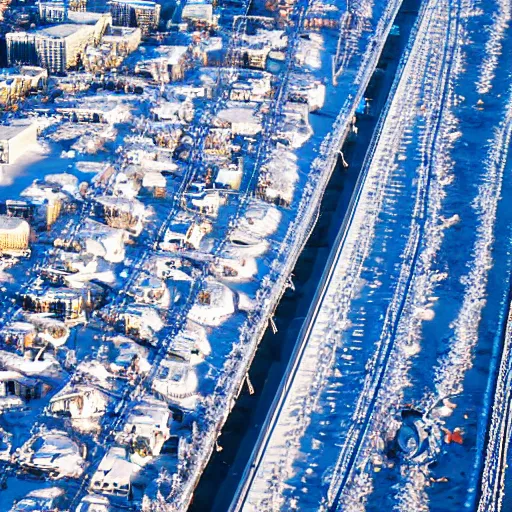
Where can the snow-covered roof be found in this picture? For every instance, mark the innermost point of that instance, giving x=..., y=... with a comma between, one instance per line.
x=114, y=472
x=216, y=306
x=9, y=131
x=238, y=115
x=60, y=31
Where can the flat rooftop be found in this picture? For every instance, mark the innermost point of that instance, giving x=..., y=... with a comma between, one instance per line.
x=84, y=18
x=9, y=131
x=59, y=31
x=136, y=3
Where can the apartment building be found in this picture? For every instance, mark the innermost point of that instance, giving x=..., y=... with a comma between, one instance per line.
x=136, y=13
x=58, y=47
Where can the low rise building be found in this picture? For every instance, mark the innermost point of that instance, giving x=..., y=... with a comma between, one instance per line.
x=16, y=83
x=14, y=140
x=122, y=40
x=198, y=12
x=241, y=119
x=169, y=66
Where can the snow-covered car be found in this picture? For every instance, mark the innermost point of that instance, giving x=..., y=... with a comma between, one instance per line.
x=40, y=500
x=54, y=453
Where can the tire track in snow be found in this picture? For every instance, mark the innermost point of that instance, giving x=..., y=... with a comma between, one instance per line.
x=493, y=48
x=494, y=471
x=423, y=243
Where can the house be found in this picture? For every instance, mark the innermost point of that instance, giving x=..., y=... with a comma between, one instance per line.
x=19, y=82
x=123, y=213
x=175, y=380
x=185, y=235
x=230, y=176
x=155, y=183
x=141, y=321
x=122, y=40
x=214, y=304
x=114, y=474
x=295, y=128
x=146, y=429
x=20, y=335
x=208, y=202
x=129, y=359
x=278, y=178
x=190, y=345
x=64, y=303
x=94, y=503
x=14, y=236
x=251, y=85
x=174, y=111
x=102, y=241
x=218, y=142
x=79, y=401
x=153, y=291
x=304, y=89
x=46, y=202
x=169, y=64
x=15, y=385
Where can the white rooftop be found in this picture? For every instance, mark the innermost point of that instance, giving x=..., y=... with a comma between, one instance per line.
x=9, y=131
x=59, y=31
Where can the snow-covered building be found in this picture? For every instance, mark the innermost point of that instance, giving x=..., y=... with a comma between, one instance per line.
x=17, y=389
x=214, y=305
x=65, y=303
x=19, y=335
x=144, y=14
x=79, y=401
x=207, y=202
x=199, y=12
x=190, y=345
x=122, y=40
x=242, y=119
x=185, y=234
x=102, y=241
x=141, y=321
x=175, y=380
x=146, y=429
x=230, y=176
x=123, y=213
x=114, y=474
x=295, y=128
x=279, y=177
x=128, y=358
x=304, y=89
x=94, y=503
x=153, y=291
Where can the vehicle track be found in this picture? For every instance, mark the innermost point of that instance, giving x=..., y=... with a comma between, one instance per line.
x=356, y=452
